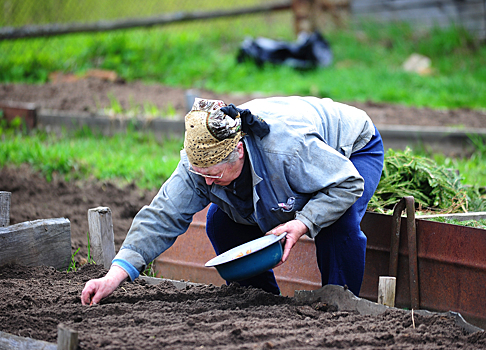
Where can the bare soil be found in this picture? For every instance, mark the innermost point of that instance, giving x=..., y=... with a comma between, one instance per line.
x=93, y=94
x=141, y=316
x=33, y=301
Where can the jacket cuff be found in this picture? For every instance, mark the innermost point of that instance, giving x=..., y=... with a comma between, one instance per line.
x=129, y=268
x=313, y=229
x=130, y=261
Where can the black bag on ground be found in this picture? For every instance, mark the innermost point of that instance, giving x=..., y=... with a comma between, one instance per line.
x=309, y=51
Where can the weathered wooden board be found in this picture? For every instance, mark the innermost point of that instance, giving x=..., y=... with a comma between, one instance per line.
x=101, y=236
x=67, y=338
x=9, y=341
x=40, y=242
x=426, y=13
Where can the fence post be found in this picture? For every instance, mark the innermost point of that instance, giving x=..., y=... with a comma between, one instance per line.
x=386, y=290
x=67, y=339
x=303, y=16
x=101, y=237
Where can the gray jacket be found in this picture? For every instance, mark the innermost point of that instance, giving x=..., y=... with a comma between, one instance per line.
x=300, y=170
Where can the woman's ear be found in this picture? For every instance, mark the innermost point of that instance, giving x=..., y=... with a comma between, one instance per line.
x=241, y=150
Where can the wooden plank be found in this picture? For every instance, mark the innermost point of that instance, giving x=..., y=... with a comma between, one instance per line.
x=4, y=208
x=9, y=341
x=67, y=338
x=427, y=13
x=400, y=5
x=27, y=112
x=386, y=290
x=40, y=242
x=101, y=236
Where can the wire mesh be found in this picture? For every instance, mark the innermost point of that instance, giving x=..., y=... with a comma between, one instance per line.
x=28, y=12
x=32, y=13
x=20, y=57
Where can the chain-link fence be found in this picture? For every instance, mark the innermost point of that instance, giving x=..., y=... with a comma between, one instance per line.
x=34, y=30
x=41, y=25
x=48, y=19
x=39, y=37
x=61, y=13
x=36, y=18
x=34, y=12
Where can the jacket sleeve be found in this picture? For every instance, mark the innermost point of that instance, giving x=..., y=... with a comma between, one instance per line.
x=330, y=177
x=157, y=225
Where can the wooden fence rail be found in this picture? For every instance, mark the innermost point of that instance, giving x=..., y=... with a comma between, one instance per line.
x=31, y=31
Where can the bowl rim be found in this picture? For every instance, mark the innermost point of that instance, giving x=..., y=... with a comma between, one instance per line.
x=230, y=253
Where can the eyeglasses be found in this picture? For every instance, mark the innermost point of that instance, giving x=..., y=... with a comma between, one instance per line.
x=207, y=176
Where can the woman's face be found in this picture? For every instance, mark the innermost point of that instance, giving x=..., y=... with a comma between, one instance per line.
x=222, y=174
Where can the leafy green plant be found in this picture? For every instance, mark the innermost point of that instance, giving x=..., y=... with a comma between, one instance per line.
x=435, y=188
x=147, y=110
x=472, y=166
x=150, y=110
x=170, y=112
x=115, y=106
x=72, y=265
x=149, y=270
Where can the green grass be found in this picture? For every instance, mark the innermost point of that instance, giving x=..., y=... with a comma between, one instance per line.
x=471, y=167
x=141, y=158
x=367, y=61
x=124, y=158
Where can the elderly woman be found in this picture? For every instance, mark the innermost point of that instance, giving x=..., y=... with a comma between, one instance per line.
x=300, y=165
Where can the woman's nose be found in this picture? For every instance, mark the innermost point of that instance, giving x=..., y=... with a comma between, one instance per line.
x=209, y=181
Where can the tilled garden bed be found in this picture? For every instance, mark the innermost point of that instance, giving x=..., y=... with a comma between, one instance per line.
x=35, y=300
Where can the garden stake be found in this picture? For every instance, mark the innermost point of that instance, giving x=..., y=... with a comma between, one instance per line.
x=67, y=339
x=101, y=235
x=409, y=204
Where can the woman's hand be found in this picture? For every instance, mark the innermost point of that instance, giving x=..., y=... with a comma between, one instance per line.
x=295, y=229
x=100, y=288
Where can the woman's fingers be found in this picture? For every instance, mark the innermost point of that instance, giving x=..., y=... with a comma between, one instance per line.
x=295, y=229
x=97, y=289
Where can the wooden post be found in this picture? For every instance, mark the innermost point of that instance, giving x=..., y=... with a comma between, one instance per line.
x=67, y=339
x=303, y=16
x=101, y=237
x=4, y=208
x=386, y=291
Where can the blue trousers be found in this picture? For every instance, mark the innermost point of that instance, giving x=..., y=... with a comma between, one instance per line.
x=340, y=247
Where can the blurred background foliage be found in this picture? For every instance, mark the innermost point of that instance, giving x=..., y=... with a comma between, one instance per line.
x=367, y=66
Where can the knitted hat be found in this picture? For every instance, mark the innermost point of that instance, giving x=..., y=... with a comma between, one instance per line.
x=210, y=135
